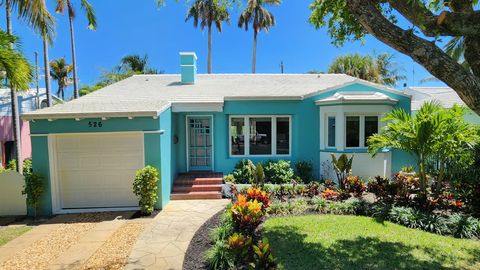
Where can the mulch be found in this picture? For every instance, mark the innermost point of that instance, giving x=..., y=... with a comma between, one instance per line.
x=195, y=256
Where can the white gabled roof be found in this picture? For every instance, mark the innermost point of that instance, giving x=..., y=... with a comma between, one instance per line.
x=445, y=95
x=149, y=95
x=357, y=97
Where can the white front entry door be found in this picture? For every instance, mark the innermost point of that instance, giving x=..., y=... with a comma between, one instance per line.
x=97, y=170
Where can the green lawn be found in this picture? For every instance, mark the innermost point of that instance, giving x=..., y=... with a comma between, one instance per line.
x=353, y=242
x=9, y=233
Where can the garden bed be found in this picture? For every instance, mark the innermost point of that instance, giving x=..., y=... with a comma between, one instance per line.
x=195, y=256
x=353, y=242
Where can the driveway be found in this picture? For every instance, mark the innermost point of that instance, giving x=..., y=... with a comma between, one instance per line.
x=75, y=241
x=163, y=243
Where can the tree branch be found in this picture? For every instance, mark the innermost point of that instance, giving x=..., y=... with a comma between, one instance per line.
x=446, y=24
x=437, y=62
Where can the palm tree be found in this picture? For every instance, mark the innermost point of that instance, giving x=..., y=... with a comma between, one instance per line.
x=36, y=15
x=13, y=64
x=260, y=18
x=433, y=133
x=136, y=64
x=92, y=25
x=378, y=69
x=208, y=12
x=60, y=71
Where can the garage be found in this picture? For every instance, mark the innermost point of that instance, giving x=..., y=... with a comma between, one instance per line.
x=95, y=170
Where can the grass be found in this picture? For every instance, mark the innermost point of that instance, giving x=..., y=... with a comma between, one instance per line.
x=9, y=233
x=354, y=242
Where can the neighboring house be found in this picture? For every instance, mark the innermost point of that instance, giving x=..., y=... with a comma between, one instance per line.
x=444, y=95
x=89, y=149
x=28, y=102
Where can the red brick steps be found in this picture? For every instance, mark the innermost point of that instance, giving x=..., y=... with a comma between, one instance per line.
x=197, y=186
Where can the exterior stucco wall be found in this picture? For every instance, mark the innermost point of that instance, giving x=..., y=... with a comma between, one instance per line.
x=305, y=126
x=42, y=129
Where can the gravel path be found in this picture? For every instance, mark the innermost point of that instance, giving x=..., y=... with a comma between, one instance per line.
x=113, y=253
x=42, y=252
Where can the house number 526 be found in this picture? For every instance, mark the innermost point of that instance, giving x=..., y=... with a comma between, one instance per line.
x=95, y=124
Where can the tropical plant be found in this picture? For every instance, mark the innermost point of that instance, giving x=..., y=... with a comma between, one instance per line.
x=36, y=15
x=60, y=71
x=244, y=172
x=259, y=174
x=63, y=5
x=342, y=167
x=425, y=136
x=304, y=170
x=355, y=185
x=377, y=68
x=261, y=19
x=278, y=172
x=246, y=214
x=33, y=188
x=145, y=187
x=136, y=64
x=208, y=12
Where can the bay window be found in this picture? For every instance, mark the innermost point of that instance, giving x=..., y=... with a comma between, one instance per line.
x=260, y=135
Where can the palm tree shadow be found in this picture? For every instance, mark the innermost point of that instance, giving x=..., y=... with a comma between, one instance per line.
x=293, y=252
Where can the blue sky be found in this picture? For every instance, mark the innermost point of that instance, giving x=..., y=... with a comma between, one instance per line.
x=127, y=27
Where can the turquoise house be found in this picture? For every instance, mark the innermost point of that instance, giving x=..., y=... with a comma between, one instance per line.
x=89, y=149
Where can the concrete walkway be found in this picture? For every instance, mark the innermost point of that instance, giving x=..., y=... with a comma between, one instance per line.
x=165, y=240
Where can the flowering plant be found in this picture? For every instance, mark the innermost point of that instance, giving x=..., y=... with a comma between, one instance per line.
x=353, y=184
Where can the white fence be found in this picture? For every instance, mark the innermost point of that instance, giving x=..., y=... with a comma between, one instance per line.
x=12, y=202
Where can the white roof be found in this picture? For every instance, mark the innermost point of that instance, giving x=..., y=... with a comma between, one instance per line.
x=356, y=97
x=149, y=95
x=445, y=95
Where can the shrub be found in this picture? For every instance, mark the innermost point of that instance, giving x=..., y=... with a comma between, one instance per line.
x=328, y=183
x=354, y=185
x=27, y=166
x=405, y=216
x=278, y=172
x=229, y=178
x=382, y=188
x=33, y=188
x=244, y=172
x=462, y=226
x=304, y=171
x=329, y=194
x=405, y=186
x=263, y=257
x=312, y=189
x=145, y=188
x=260, y=196
x=259, y=174
x=434, y=223
x=246, y=215
x=319, y=204
x=278, y=208
x=408, y=169
x=342, y=167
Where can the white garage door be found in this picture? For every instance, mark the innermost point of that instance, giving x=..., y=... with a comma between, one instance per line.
x=94, y=171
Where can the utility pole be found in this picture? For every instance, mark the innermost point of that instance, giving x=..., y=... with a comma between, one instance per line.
x=281, y=67
x=37, y=100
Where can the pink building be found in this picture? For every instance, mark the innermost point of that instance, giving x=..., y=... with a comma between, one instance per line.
x=27, y=102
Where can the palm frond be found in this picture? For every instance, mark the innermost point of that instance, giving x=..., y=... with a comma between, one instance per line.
x=18, y=71
x=90, y=12
x=36, y=15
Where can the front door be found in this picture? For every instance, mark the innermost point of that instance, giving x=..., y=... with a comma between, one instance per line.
x=200, y=143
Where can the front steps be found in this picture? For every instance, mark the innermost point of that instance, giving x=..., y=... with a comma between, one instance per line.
x=197, y=186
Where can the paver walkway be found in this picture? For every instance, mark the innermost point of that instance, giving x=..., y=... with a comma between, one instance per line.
x=163, y=243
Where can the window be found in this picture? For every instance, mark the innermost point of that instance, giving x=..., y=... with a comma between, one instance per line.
x=371, y=127
x=352, y=128
x=283, y=135
x=331, y=131
x=264, y=135
x=237, y=126
x=260, y=136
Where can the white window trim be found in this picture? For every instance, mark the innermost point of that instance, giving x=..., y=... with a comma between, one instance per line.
x=329, y=115
x=246, y=135
x=362, y=128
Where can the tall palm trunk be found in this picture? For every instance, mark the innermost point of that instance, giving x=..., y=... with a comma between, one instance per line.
x=47, y=71
x=209, y=49
x=74, y=62
x=14, y=101
x=254, y=57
